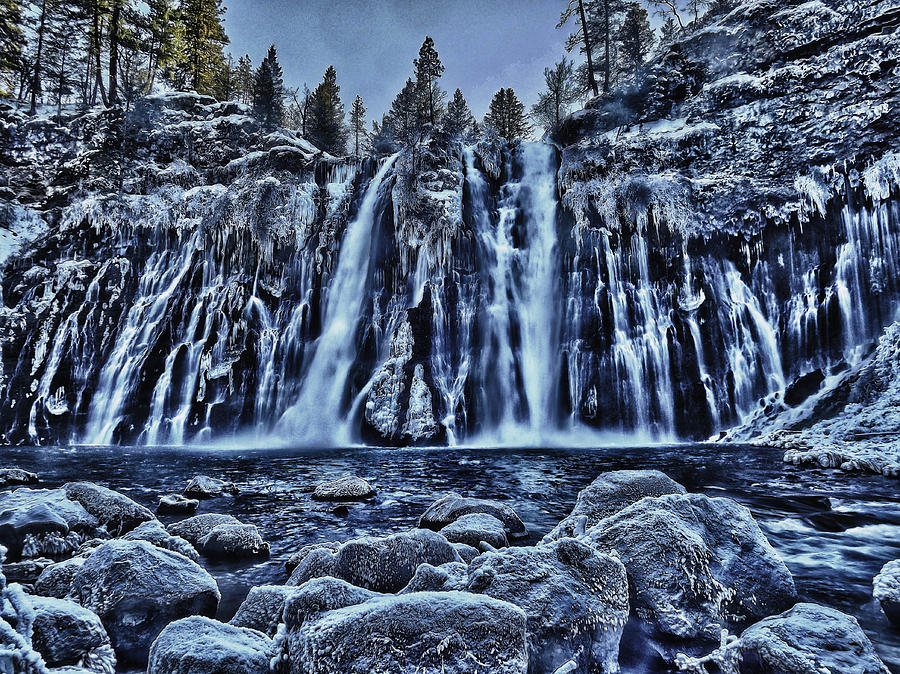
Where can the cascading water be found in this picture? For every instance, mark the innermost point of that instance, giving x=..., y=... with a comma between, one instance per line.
x=318, y=414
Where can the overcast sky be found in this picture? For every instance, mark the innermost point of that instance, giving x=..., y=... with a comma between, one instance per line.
x=484, y=44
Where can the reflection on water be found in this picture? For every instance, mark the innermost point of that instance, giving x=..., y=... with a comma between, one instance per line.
x=833, y=552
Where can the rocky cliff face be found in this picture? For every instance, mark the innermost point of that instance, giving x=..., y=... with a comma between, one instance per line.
x=172, y=273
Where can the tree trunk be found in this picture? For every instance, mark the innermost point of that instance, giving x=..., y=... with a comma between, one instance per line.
x=114, y=52
x=587, y=48
x=98, y=47
x=607, y=39
x=36, y=76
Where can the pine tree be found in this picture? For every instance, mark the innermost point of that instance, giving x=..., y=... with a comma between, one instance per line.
x=161, y=48
x=668, y=31
x=202, y=38
x=635, y=37
x=562, y=91
x=357, y=122
x=243, y=79
x=12, y=40
x=268, y=91
x=582, y=37
x=326, y=126
x=428, y=71
x=459, y=121
x=506, y=115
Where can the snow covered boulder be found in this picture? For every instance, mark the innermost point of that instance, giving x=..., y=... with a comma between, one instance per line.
x=194, y=528
x=203, y=486
x=137, y=589
x=887, y=590
x=476, y=528
x=348, y=488
x=154, y=532
x=805, y=640
x=263, y=607
x=451, y=507
x=423, y=632
x=233, y=541
x=575, y=599
x=43, y=523
x=381, y=564
x=176, y=504
x=610, y=493
x=27, y=571
x=67, y=634
x=695, y=564
x=428, y=578
x=199, y=645
x=118, y=513
x=294, y=560
x=16, y=476
x=56, y=579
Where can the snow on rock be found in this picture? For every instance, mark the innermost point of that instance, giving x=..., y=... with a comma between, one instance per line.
x=176, y=504
x=118, y=513
x=17, y=655
x=56, y=579
x=198, y=645
x=66, y=634
x=44, y=522
x=203, y=486
x=233, y=541
x=137, y=589
x=442, y=578
x=194, y=528
x=154, y=532
x=476, y=528
x=16, y=476
x=420, y=423
x=347, y=488
x=886, y=589
x=263, y=608
x=384, y=564
x=451, y=507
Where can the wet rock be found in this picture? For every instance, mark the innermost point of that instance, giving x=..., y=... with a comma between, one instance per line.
x=467, y=552
x=319, y=595
x=16, y=476
x=233, y=540
x=451, y=507
x=67, y=634
x=695, y=564
x=203, y=486
x=610, y=493
x=443, y=578
x=176, y=504
x=27, y=571
x=381, y=564
x=194, y=528
x=348, y=488
x=263, y=608
x=137, y=589
x=808, y=638
x=424, y=632
x=56, y=579
x=476, y=528
x=575, y=599
x=43, y=522
x=199, y=645
x=887, y=590
x=154, y=532
x=294, y=560
x=118, y=513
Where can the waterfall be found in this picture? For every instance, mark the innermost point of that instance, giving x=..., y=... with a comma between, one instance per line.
x=317, y=415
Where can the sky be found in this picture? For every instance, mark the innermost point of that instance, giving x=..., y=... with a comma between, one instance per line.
x=484, y=44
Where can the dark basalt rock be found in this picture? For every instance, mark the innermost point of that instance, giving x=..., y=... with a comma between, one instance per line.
x=176, y=504
x=118, y=513
x=43, y=522
x=451, y=507
x=16, y=476
x=198, y=645
x=203, y=486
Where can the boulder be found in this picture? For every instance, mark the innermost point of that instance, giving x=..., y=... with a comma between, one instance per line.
x=263, y=608
x=467, y=552
x=194, y=528
x=176, y=504
x=56, y=579
x=43, y=522
x=348, y=488
x=808, y=639
x=233, y=540
x=886, y=589
x=476, y=528
x=318, y=596
x=610, y=493
x=695, y=564
x=27, y=571
x=154, y=532
x=443, y=578
x=67, y=634
x=203, y=486
x=423, y=632
x=137, y=589
x=16, y=476
x=294, y=560
x=118, y=513
x=575, y=599
x=381, y=564
x=198, y=645
x=451, y=507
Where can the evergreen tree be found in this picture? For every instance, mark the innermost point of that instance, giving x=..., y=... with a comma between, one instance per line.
x=268, y=91
x=357, y=123
x=562, y=91
x=595, y=38
x=459, y=121
x=635, y=37
x=400, y=124
x=243, y=79
x=506, y=115
x=326, y=126
x=582, y=38
x=428, y=71
x=161, y=47
x=668, y=31
x=12, y=41
x=202, y=38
